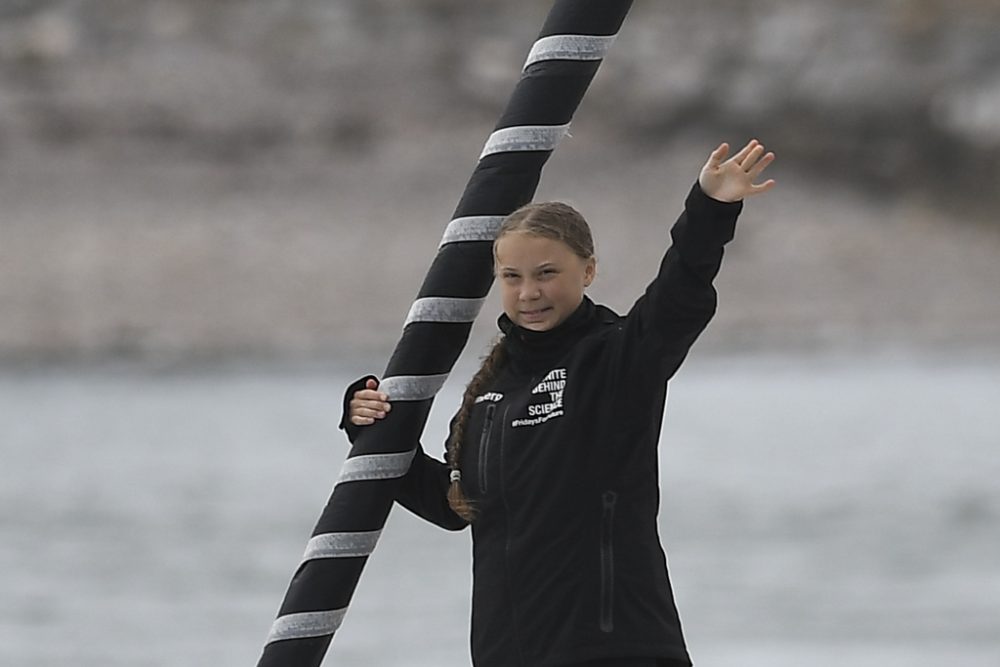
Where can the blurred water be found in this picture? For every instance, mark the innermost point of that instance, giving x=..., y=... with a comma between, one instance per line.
x=816, y=511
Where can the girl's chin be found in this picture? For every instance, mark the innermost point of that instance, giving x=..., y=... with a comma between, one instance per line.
x=536, y=326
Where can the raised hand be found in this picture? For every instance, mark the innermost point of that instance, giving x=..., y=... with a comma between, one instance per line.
x=733, y=179
x=368, y=405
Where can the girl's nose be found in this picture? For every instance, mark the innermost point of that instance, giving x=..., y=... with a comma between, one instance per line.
x=529, y=291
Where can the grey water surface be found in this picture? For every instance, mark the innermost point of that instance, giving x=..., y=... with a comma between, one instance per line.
x=816, y=511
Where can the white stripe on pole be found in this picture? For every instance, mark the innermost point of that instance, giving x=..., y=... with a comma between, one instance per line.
x=375, y=466
x=570, y=47
x=472, y=228
x=341, y=545
x=444, y=309
x=306, y=624
x=412, y=387
x=524, y=138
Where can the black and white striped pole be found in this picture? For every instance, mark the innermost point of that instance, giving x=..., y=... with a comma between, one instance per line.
x=556, y=74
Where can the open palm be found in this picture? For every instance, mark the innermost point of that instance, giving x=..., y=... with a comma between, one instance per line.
x=733, y=179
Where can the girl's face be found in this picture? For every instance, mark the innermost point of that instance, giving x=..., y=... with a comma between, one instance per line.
x=541, y=279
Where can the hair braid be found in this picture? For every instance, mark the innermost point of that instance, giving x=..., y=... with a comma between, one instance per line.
x=492, y=363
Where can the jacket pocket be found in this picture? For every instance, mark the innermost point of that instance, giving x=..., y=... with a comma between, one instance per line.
x=484, y=446
x=607, y=624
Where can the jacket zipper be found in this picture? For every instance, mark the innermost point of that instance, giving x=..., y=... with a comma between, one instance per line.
x=608, y=561
x=484, y=446
x=510, y=580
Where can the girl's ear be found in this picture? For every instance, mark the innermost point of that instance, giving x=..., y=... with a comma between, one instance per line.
x=589, y=271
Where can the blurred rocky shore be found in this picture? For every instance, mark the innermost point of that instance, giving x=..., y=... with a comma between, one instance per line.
x=200, y=180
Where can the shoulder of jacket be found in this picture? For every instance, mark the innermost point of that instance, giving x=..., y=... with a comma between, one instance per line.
x=607, y=316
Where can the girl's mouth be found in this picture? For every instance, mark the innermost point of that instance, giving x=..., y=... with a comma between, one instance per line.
x=535, y=314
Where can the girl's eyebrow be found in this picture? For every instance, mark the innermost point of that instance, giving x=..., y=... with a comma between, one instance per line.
x=540, y=267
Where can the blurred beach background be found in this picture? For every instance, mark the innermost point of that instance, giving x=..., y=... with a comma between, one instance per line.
x=216, y=214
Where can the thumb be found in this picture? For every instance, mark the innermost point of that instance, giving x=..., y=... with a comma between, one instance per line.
x=371, y=384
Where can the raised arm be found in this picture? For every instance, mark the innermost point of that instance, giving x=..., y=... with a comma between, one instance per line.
x=680, y=301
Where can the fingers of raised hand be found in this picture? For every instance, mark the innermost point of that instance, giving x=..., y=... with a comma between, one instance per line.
x=757, y=162
x=754, y=164
x=752, y=158
x=745, y=152
x=756, y=168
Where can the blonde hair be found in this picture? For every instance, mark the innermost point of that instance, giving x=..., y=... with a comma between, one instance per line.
x=553, y=220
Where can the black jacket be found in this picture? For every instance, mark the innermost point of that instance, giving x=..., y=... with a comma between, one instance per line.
x=560, y=461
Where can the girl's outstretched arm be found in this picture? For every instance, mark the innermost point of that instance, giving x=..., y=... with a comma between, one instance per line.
x=678, y=304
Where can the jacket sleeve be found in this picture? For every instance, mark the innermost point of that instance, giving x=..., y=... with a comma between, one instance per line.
x=679, y=302
x=424, y=488
x=424, y=491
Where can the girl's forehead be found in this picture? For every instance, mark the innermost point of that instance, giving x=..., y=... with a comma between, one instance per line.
x=520, y=243
x=521, y=248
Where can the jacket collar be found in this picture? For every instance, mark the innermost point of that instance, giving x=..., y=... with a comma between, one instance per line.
x=529, y=350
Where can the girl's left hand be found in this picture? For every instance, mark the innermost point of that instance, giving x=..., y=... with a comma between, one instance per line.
x=733, y=179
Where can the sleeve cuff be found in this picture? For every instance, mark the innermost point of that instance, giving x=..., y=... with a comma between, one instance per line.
x=711, y=223
x=699, y=202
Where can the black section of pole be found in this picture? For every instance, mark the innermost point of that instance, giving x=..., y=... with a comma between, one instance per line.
x=547, y=94
x=565, y=82
x=585, y=17
x=308, y=652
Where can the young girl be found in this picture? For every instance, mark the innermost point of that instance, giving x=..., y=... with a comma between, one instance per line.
x=552, y=455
